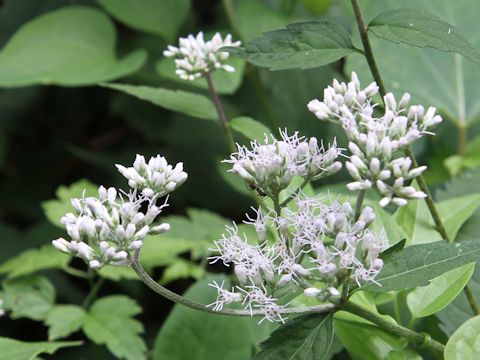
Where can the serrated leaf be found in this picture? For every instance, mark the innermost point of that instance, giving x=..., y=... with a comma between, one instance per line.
x=71, y=46
x=194, y=335
x=176, y=100
x=11, y=349
x=300, y=46
x=30, y=261
x=417, y=264
x=307, y=337
x=464, y=344
x=250, y=128
x=64, y=320
x=31, y=296
x=419, y=28
x=56, y=208
x=109, y=322
x=160, y=17
x=442, y=290
x=224, y=82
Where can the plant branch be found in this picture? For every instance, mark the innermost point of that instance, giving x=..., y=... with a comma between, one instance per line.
x=423, y=340
x=93, y=292
x=292, y=196
x=359, y=204
x=362, y=28
x=170, y=295
x=75, y=272
x=221, y=114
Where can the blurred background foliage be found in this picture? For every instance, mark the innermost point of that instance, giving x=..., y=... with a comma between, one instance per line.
x=61, y=125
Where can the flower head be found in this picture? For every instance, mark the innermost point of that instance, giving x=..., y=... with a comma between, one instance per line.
x=194, y=56
x=375, y=140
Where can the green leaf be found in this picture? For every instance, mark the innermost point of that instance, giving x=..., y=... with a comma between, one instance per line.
x=307, y=337
x=160, y=17
x=117, y=273
x=464, y=344
x=301, y=45
x=417, y=264
x=225, y=83
x=418, y=28
x=470, y=160
x=55, y=209
x=417, y=222
x=64, y=320
x=181, y=269
x=176, y=100
x=31, y=296
x=250, y=128
x=11, y=349
x=444, y=80
x=194, y=335
x=442, y=290
x=71, y=46
x=33, y=260
x=109, y=321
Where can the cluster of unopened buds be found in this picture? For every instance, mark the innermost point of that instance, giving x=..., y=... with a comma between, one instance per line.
x=270, y=166
x=319, y=242
x=194, y=57
x=108, y=228
x=374, y=141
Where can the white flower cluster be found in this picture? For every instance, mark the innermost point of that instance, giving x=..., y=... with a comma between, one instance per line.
x=105, y=230
x=194, y=56
x=318, y=243
x=374, y=141
x=271, y=166
x=155, y=178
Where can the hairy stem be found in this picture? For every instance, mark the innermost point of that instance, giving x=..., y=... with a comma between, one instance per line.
x=170, y=295
x=362, y=28
x=422, y=340
x=220, y=112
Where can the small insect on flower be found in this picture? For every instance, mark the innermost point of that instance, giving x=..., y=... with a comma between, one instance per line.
x=194, y=57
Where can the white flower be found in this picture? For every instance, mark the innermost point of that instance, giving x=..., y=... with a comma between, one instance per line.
x=224, y=297
x=374, y=140
x=270, y=166
x=194, y=56
x=156, y=178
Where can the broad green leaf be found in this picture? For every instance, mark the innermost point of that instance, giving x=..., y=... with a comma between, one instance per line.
x=193, y=335
x=71, y=46
x=109, y=321
x=255, y=17
x=181, y=269
x=301, y=45
x=470, y=160
x=464, y=344
x=162, y=250
x=307, y=337
x=224, y=82
x=250, y=128
x=446, y=81
x=55, y=209
x=417, y=222
x=30, y=261
x=442, y=290
x=176, y=100
x=417, y=264
x=11, y=349
x=31, y=296
x=64, y=320
x=419, y=28
x=160, y=17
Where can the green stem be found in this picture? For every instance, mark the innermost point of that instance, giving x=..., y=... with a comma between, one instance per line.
x=285, y=202
x=471, y=300
x=75, y=272
x=93, y=292
x=422, y=340
x=221, y=114
x=170, y=295
x=362, y=28
x=359, y=204
x=462, y=138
